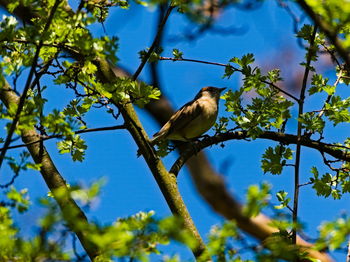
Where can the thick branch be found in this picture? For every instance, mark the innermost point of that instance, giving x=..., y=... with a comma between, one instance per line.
x=166, y=182
x=210, y=184
x=213, y=189
x=74, y=216
x=199, y=165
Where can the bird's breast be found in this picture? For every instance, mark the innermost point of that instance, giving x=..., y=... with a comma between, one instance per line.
x=209, y=107
x=204, y=121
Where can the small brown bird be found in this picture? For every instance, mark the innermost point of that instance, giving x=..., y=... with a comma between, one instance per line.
x=193, y=119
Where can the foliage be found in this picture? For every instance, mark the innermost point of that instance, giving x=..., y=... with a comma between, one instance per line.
x=56, y=45
x=134, y=237
x=257, y=199
x=275, y=158
x=268, y=109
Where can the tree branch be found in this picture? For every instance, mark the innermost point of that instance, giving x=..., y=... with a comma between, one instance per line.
x=153, y=66
x=208, y=182
x=167, y=183
x=199, y=165
x=287, y=139
x=55, y=182
x=213, y=189
x=310, y=54
x=28, y=84
x=83, y=131
x=155, y=42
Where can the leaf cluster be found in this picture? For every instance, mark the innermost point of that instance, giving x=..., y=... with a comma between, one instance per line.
x=267, y=109
x=274, y=159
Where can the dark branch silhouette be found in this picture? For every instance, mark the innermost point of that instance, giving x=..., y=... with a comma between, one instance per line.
x=335, y=151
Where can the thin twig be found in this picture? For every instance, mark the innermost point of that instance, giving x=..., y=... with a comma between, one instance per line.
x=331, y=53
x=290, y=209
x=306, y=184
x=155, y=42
x=11, y=181
x=154, y=65
x=75, y=251
x=298, y=147
x=292, y=14
x=88, y=130
x=234, y=68
x=28, y=85
x=330, y=95
x=29, y=42
x=348, y=253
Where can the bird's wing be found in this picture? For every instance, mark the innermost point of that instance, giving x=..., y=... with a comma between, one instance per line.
x=180, y=119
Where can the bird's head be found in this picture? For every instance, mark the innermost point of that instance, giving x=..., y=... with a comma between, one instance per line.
x=213, y=92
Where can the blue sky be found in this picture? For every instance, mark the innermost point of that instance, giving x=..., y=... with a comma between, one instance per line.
x=130, y=185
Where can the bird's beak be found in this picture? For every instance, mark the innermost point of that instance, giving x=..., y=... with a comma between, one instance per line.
x=222, y=89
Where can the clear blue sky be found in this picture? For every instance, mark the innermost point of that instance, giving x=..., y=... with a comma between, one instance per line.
x=130, y=186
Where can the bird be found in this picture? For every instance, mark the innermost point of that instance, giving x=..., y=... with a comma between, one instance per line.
x=193, y=119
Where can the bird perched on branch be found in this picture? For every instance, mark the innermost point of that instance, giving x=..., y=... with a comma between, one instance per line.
x=193, y=119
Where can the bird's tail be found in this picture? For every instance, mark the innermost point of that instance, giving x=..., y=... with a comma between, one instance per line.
x=156, y=137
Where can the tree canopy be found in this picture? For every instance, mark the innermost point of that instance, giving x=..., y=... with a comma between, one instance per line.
x=65, y=80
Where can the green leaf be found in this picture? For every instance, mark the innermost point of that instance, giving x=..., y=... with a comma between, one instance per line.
x=33, y=166
x=305, y=32
x=247, y=59
x=337, y=110
x=274, y=75
x=20, y=199
x=274, y=159
x=312, y=122
x=177, y=54
x=334, y=234
x=244, y=61
x=318, y=84
x=257, y=198
x=324, y=185
x=221, y=125
x=75, y=146
x=58, y=123
x=283, y=199
x=228, y=71
x=154, y=56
